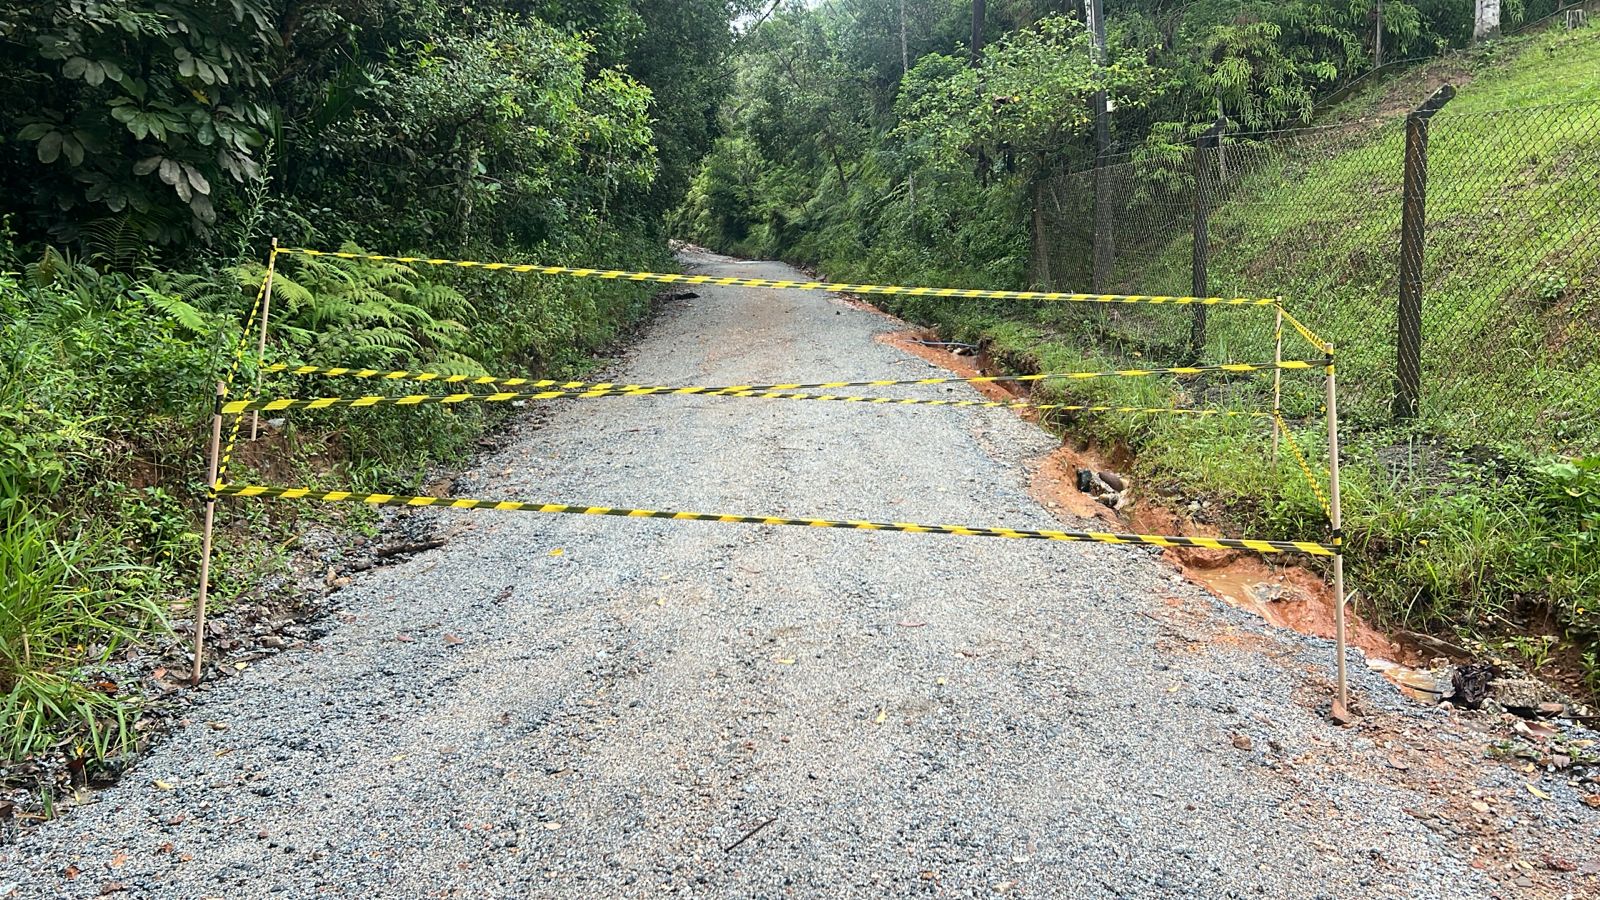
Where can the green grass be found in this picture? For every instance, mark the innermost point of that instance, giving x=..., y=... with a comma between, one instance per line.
x=60, y=595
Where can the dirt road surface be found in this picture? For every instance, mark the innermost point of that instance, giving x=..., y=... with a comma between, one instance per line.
x=554, y=706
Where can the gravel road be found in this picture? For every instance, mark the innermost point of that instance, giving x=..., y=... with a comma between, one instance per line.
x=577, y=706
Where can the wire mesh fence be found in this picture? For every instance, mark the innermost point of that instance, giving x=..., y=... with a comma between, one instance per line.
x=1452, y=256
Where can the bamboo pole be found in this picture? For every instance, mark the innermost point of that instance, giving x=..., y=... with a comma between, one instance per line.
x=1342, y=706
x=205, y=543
x=261, y=342
x=1277, y=384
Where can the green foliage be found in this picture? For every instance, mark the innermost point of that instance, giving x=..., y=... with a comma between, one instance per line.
x=499, y=131
x=365, y=313
x=59, y=594
x=1029, y=95
x=413, y=123
x=149, y=107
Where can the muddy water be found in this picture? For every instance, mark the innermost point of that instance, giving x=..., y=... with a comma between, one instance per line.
x=1286, y=596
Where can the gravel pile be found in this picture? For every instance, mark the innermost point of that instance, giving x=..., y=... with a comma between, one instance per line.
x=582, y=706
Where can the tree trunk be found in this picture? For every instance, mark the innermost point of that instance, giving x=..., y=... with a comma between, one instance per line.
x=464, y=197
x=982, y=168
x=1377, y=39
x=839, y=167
x=905, y=58
x=1041, y=240
x=1486, y=23
x=977, y=31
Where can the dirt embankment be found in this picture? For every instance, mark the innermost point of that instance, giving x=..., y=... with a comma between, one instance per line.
x=1288, y=595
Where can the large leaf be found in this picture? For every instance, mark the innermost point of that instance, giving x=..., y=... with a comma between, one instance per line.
x=50, y=147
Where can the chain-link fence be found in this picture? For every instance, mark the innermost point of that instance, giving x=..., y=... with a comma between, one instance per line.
x=1453, y=257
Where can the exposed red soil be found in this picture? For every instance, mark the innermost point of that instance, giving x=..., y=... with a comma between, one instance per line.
x=1287, y=596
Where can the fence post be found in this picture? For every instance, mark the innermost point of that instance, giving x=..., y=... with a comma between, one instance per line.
x=1200, y=258
x=1413, y=225
x=1341, y=704
x=205, y=541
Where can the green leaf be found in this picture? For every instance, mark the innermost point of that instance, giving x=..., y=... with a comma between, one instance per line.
x=34, y=132
x=197, y=180
x=50, y=147
x=178, y=310
x=75, y=67
x=203, y=210
x=73, y=148
x=147, y=165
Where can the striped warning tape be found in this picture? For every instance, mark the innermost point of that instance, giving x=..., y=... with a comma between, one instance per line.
x=1305, y=332
x=238, y=406
x=1155, y=540
x=1305, y=466
x=244, y=332
x=226, y=456
x=342, y=372
x=720, y=281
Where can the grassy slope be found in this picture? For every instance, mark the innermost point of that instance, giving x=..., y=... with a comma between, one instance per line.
x=1469, y=557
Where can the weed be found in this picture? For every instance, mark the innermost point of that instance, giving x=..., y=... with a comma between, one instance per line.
x=60, y=595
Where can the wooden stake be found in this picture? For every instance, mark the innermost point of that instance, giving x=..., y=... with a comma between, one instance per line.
x=1277, y=384
x=261, y=343
x=1336, y=520
x=205, y=543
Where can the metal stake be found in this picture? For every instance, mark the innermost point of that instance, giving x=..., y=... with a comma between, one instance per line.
x=205, y=544
x=1342, y=706
x=261, y=343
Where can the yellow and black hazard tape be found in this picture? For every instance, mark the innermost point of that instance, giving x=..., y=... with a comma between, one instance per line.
x=1305, y=466
x=723, y=281
x=1312, y=547
x=342, y=372
x=1308, y=334
x=226, y=456
x=239, y=406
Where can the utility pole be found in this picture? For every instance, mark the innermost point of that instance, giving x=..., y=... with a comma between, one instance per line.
x=1486, y=21
x=905, y=68
x=1103, y=247
x=1102, y=125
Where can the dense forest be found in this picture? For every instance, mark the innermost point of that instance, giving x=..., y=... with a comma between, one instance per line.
x=905, y=138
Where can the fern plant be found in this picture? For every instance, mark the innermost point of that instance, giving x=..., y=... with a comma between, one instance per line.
x=366, y=313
